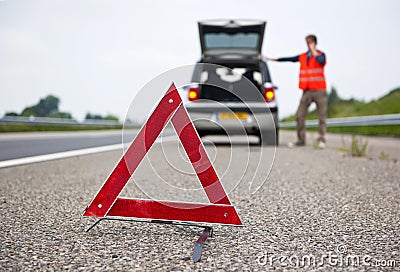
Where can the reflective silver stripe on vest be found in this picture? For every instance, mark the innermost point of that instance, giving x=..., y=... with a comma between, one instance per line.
x=312, y=78
x=311, y=71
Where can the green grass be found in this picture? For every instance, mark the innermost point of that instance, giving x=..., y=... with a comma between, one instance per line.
x=358, y=147
x=387, y=130
x=27, y=128
x=387, y=104
x=384, y=156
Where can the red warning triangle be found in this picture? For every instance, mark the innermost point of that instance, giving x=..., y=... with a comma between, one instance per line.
x=107, y=203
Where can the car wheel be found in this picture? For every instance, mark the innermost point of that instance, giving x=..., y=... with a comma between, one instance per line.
x=269, y=138
x=201, y=133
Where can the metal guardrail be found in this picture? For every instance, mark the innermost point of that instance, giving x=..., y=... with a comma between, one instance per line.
x=372, y=120
x=7, y=120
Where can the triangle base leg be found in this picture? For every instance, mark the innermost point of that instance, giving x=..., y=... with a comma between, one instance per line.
x=95, y=224
x=198, y=247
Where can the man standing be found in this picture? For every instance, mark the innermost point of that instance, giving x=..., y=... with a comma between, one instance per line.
x=312, y=82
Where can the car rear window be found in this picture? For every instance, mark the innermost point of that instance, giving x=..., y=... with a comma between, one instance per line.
x=237, y=40
x=226, y=85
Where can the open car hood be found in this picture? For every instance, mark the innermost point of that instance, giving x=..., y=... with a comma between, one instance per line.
x=243, y=37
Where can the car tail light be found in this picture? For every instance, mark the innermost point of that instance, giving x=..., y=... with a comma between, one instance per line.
x=193, y=94
x=269, y=92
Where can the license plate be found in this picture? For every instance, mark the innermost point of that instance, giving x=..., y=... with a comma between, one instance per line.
x=232, y=115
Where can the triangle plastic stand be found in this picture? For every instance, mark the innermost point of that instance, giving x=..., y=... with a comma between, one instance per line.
x=107, y=205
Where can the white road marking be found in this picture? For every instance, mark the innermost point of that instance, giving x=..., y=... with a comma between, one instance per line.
x=72, y=153
x=12, y=136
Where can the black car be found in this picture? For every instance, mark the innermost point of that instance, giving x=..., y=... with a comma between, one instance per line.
x=233, y=91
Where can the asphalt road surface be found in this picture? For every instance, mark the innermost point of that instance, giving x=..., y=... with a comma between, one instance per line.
x=21, y=145
x=17, y=145
x=322, y=205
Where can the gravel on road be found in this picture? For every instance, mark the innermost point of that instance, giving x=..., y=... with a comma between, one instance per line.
x=316, y=204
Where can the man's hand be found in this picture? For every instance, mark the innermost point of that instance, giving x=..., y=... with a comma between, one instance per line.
x=267, y=58
x=313, y=49
x=314, y=52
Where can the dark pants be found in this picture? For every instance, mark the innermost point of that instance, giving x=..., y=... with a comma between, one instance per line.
x=320, y=98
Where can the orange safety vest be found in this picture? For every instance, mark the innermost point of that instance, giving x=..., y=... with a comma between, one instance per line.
x=311, y=73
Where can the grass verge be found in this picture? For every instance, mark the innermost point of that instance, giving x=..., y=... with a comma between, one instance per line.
x=387, y=130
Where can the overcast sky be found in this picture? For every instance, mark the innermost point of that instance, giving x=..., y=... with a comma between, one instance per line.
x=95, y=55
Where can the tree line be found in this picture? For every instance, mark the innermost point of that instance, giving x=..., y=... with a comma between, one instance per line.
x=49, y=107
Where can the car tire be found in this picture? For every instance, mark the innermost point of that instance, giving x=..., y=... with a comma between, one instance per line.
x=269, y=137
x=201, y=133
